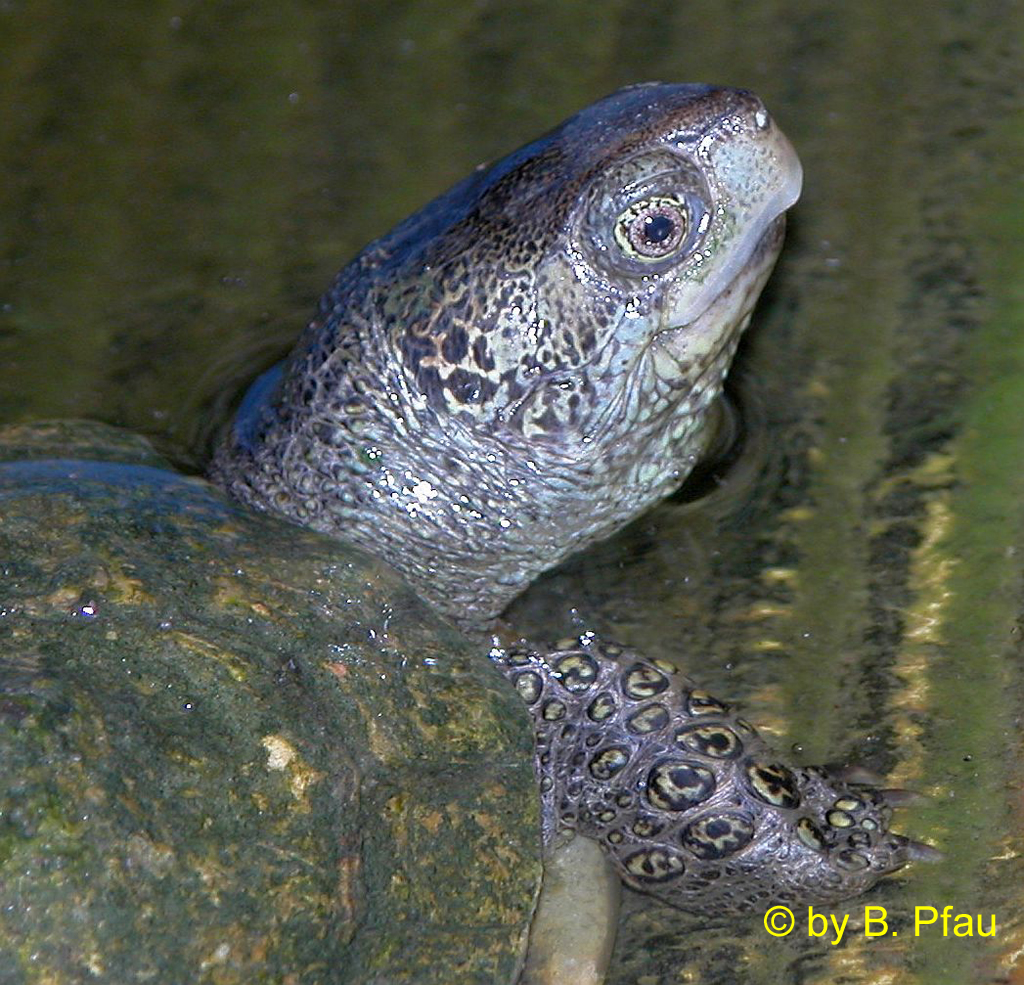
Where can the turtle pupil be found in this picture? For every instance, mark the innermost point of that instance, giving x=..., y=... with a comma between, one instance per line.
x=658, y=228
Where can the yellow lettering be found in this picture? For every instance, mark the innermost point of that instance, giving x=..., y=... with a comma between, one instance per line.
x=870, y=921
x=919, y=920
x=992, y=926
x=812, y=922
x=839, y=927
x=963, y=926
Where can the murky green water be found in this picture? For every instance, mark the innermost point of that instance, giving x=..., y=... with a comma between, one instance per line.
x=179, y=181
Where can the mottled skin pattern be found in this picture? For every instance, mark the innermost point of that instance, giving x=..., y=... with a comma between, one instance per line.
x=495, y=383
x=688, y=800
x=518, y=370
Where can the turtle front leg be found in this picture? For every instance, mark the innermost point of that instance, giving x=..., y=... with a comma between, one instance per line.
x=689, y=802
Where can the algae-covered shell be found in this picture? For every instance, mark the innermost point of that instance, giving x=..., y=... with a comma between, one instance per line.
x=236, y=751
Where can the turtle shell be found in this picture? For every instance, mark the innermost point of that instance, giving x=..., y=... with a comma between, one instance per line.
x=228, y=743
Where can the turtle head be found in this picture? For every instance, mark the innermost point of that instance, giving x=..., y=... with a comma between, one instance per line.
x=595, y=282
x=526, y=364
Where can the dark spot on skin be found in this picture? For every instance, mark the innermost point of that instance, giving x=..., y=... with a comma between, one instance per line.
x=470, y=388
x=641, y=681
x=774, y=784
x=428, y=379
x=513, y=388
x=851, y=861
x=647, y=827
x=483, y=359
x=678, y=786
x=654, y=865
x=601, y=708
x=701, y=703
x=717, y=837
x=647, y=720
x=714, y=741
x=608, y=762
x=576, y=671
x=415, y=348
x=455, y=345
x=810, y=834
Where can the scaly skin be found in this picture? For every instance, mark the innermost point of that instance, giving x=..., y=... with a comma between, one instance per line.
x=518, y=370
x=688, y=801
x=496, y=383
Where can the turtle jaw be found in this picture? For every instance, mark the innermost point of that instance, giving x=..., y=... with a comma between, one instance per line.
x=754, y=182
x=683, y=366
x=698, y=341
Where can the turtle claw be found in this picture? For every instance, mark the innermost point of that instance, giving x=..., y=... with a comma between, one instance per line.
x=891, y=851
x=919, y=851
x=897, y=797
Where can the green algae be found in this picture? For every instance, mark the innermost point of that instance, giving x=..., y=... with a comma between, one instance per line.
x=237, y=752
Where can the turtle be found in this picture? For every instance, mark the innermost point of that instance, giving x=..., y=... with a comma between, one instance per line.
x=509, y=375
x=517, y=371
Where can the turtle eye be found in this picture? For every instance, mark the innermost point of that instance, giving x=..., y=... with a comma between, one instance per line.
x=653, y=228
